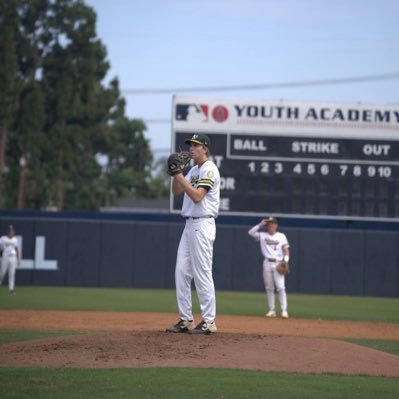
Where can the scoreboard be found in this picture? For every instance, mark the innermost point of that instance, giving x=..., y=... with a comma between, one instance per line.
x=297, y=159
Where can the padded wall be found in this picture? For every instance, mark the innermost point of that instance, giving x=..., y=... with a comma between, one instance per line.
x=111, y=253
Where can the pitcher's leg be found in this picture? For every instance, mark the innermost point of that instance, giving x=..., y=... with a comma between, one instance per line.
x=202, y=238
x=183, y=278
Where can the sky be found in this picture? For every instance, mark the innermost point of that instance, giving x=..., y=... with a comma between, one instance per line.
x=178, y=44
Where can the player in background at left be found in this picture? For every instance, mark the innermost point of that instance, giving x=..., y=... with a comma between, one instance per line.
x=10, y=259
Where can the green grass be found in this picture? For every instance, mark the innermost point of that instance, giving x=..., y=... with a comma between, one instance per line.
x=7, y=336
x=378, y=344
x=187, y=383
x=230, y=303
x=23, y=382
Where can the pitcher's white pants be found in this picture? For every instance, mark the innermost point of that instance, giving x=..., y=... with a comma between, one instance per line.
x=273, y=279
x=194, y=261
x=9, y=264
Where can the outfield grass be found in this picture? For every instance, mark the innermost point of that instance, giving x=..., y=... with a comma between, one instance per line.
x=230, y=303
x=187, y=383
x=145, y=383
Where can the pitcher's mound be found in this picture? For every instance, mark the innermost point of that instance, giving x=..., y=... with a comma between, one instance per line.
x=220, y=350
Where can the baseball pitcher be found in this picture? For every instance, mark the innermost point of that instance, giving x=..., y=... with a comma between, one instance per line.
x=201, y=189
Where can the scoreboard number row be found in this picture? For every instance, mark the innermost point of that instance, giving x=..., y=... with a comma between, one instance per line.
x=319, y=169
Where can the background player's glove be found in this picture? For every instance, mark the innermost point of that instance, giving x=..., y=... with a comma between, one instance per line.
x=283, y=267
x=177, y=162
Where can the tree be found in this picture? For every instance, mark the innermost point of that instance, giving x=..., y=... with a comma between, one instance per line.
x=31, y=44
x=129, y=161
x=79, y=108
x=9, y=85
x=159, y=183
x=27, y=142
x=57, y=117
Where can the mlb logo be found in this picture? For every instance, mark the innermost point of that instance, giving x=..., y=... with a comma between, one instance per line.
x=192, y=112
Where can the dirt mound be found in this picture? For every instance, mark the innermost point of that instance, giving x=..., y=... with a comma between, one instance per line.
x=226, y=350
x=256, y=343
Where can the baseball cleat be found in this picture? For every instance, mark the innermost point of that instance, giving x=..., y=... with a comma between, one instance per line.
x=284, y=315
x=270, y=313
x=204, y=328
x=181, y=326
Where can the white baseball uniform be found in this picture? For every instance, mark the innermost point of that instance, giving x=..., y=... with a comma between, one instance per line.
x=195, y=252
x=272, y=250
x=10, y=260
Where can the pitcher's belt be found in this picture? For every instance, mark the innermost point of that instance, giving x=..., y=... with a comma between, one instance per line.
x=198, y=217
x=272, y=260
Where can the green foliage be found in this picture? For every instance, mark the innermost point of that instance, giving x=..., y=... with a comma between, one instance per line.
x=9, y=85
x=129, y=159
x=52, y=71
x=160, y=183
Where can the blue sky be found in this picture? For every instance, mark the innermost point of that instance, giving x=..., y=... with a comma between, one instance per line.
x=157, y=44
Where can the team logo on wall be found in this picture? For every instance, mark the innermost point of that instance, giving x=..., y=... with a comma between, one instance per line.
x=192, y=112
x=220, y=113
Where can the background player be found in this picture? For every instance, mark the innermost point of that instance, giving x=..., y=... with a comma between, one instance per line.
x=201, y=188
x=10, y=259
x=275, y=248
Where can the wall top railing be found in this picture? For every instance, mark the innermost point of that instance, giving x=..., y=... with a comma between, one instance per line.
x=222, y=219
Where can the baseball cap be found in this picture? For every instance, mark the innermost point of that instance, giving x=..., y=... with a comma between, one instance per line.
x=272, y=220
x=202, y=139
x=11, y=229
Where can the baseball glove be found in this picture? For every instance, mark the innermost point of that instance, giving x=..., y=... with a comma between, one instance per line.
x=283, y=268
x=177, y=162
